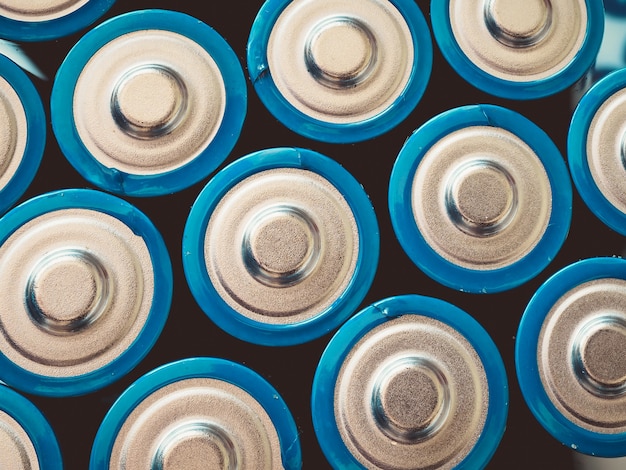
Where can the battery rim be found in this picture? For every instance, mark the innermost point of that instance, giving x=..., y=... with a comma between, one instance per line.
x=414, y=243
x=111, y=179
x=577, y=150
x=582, y=62
x=322, y=408
x=526, y=344
x=290, y=333
x=55, y=28
x=200, y=367
x=35, y=133
x=297, y=121
x=37, y=384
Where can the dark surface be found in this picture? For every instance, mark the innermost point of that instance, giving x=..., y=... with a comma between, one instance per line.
x=190, y=333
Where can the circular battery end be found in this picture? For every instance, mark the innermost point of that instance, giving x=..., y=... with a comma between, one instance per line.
x=598, y=356
x=149, y=101
x=67, y=291
x=481, y=198
x=410, y=399
x=340, y=52
x=516, y=24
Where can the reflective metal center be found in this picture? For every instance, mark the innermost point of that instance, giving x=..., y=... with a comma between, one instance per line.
x=196, y=446
x=340, y=52
x=410, y=399
x=281, y=245
x=66, y=291
x=517, y=23
x=599, y=356
x=149, y=101
x=480, y=198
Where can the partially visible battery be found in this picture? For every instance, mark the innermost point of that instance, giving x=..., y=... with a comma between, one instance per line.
x=339, y=70
x=410, y=382
x=569, y=353
x=148, y=103
x=281, y=246
x=597, y=149
x=26, y=439
x=86, y=290
x=480, y=199
x=45, y=20
x=519, y=50
x=198, y=413
x=22, y=133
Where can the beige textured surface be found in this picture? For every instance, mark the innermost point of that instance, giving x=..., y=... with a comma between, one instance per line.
x=13, y=132
x=39, y=10
x=16, y=449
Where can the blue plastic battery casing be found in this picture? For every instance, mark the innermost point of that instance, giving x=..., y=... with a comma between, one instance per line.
x=204, y=367
x=55, y=28
x=412, y=240
x=35, y=132
x=576, y=69
x=29, y=382
x=35, y=425
x=577, y=150
x=292, y=333
x=323, y=395
x=307, y=126
x=526, y=350
x=144, y=185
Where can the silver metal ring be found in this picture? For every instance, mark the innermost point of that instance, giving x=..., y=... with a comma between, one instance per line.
x=519, y=41
x=580, y=354
x=411, y=393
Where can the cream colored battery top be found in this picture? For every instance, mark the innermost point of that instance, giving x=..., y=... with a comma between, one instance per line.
x=12, y=132
x=39, y=10
x=16, y=448
x=519, y=41
x=77, y=290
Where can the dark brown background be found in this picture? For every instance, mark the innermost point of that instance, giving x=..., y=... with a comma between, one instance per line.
x=190, y=333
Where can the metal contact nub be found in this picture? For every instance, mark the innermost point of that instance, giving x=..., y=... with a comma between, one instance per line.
x=281, y=245
x=204, y=442
x=67, y=291
x=518, y=24
x=598, y=353
x=481, y=197
x=340, y=52
x=149, y=101
x=410, y=399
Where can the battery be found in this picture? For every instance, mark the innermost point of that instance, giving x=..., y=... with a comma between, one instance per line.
x=569, y=356
x=480, y=198
x=340, y=71
x=22, y=134
x=43, y=20
x=148, y=103
x=596, y=148
x=196, y=412
x=410, y=382
x=87, y=286
x=281, y=246
x=26, y=438
x=519, y=50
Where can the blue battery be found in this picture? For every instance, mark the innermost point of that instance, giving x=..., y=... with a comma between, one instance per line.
x=410, y=381
x=20, y=21
x=519, y=50
x=148, y=103
x=480, y=199
x=596, y=147
x=27, y=438
x=569, y=356
x=206, y=408
x=87, y=290
x=24, y=122
x=281, y=246
x=340, y=71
